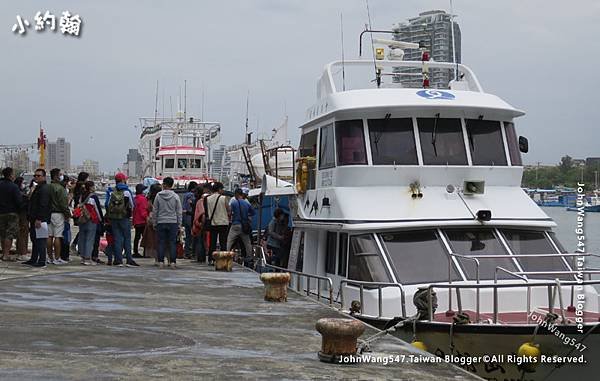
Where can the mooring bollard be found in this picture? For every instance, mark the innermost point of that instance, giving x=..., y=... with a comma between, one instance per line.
x=223, y=260
x=339, y=337
x=275, y=286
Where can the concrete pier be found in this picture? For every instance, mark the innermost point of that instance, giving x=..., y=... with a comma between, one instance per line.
x=72, y=322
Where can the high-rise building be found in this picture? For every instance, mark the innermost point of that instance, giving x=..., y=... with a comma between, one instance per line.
x=90, y=166
x=433, y=30
x=133, y=165
x=59, y=155
x=19, y=161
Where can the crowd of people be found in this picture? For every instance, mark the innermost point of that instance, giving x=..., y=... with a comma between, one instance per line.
x=206, y=218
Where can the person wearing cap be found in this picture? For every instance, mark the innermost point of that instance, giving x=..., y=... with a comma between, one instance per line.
x=140, y=215
x=119, y=206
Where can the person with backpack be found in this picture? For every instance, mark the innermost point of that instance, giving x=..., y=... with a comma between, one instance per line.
x=241, y=226
x=216, y=222
x=188, y=205
x=119, y=207
x=167, y=215
x=198, y=231
x=88, y=219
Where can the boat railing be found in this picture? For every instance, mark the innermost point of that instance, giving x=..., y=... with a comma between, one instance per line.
x=458, y=300
x=554, y=287
x=379, y=285
x=299, y=275
x=327, y=83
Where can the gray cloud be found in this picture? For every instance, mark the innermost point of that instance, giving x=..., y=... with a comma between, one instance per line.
x=538, y=57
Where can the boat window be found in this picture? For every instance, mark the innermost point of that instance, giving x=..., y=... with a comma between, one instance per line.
x=418, y=256
x=342, y=254
x=169, y=163
x=480, y=242
x=308, y=144
x=485, y=142
x=561, y=248
x=535, y=242
x=331, y=254
x=513, y=144
x=442, y=141
x=195, y=163
x=392, y=141
x=326, y=149
x=350, y=141
x=365, y=262
x=182, y=163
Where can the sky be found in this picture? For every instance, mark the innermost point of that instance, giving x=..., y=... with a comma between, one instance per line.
x=539, y=56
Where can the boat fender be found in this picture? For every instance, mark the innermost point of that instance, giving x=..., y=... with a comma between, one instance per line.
x=529, y=350
x=419, y=345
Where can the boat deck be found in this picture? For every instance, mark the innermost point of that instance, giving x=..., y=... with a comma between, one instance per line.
x=520, y=317
x=75, y=322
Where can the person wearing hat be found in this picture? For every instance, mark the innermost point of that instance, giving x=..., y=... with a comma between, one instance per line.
x=140, y=215
x=119, y=208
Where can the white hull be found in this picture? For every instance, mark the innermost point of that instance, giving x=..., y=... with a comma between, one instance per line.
x=501, y=347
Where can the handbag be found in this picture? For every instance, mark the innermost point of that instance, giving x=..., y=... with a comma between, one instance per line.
x=208, y=221
x=246, y=226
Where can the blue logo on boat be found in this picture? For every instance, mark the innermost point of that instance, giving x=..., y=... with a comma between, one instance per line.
x=435, y=94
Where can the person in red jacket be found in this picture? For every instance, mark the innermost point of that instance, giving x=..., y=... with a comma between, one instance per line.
x=140, y=215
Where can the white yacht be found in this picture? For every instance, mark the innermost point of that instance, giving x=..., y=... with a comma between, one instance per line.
x=410, y=213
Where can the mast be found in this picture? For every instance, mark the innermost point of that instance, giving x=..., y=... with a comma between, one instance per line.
x=246, y=139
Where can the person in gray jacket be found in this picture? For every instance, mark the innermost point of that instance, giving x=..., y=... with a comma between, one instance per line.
x=166, y=214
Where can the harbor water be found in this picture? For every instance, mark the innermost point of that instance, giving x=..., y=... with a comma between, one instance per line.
x=565, y=231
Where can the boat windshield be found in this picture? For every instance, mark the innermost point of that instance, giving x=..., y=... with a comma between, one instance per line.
x=365, y=262
x=485, y=142
x=392, y=141
x=480, y=242
x=418, y=256
x=442, y=141
x=535, y=242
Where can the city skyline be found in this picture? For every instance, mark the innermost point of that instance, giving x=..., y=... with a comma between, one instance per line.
x=93, y=89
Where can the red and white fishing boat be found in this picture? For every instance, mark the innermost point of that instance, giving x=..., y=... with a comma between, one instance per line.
x=177, y=147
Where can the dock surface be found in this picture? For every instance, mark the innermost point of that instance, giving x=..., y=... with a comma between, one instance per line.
x=73, y=322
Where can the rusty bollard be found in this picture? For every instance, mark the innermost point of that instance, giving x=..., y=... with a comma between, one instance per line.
x=223, y=260
x=275, y=286
x=339, y=337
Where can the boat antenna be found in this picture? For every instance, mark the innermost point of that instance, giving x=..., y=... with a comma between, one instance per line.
x=171, y=104
x=247, y=104
x=343, y=66
x=163, y=103
x=202, y=108
x=185, y=99
x=372, y=43
x=156, y=103
x=453, y=42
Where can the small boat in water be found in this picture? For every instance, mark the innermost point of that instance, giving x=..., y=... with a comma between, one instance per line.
x=409, y=214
